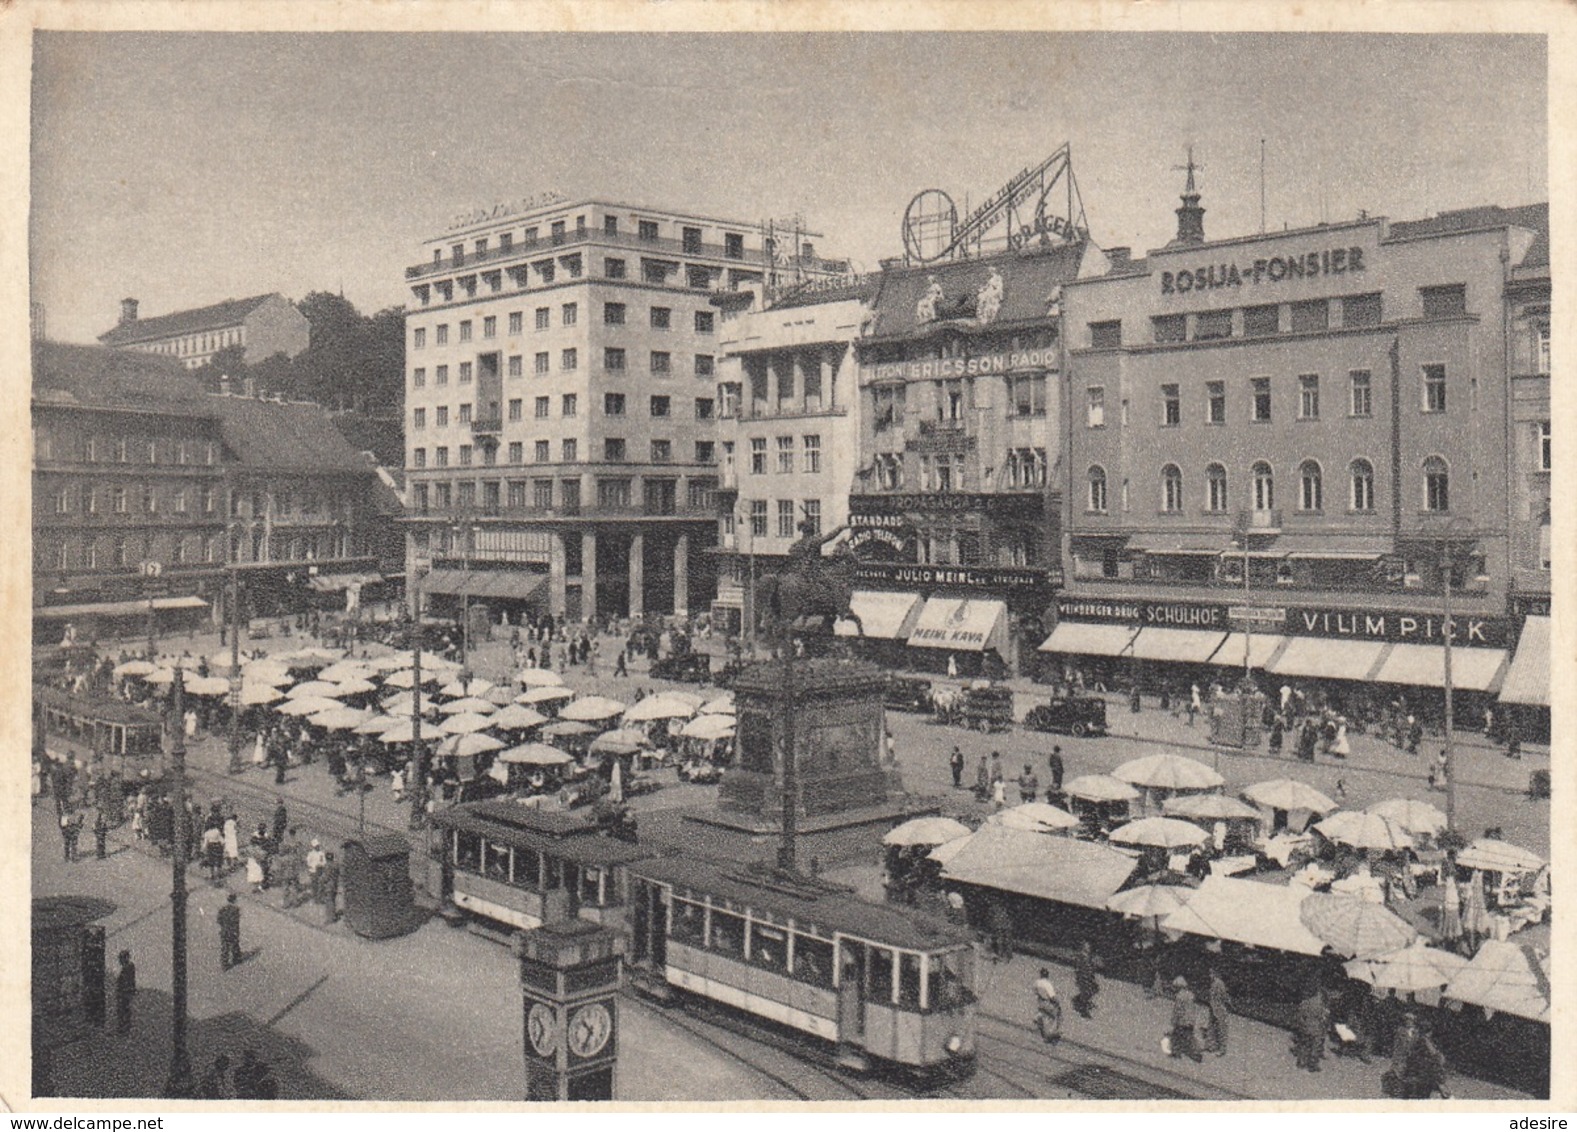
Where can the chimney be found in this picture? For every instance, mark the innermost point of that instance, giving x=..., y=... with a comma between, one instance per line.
x=128, y=310
x=1119, y=257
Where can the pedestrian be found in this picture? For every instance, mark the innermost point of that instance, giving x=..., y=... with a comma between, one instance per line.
x=1415, y=734
x=1277, y=732
x=281, y=760
x=1220, y=1001
x=259, y=751
x=281, y=822
x=232, y=841
x=1134, y=702
x=288, y=870
x=1181, y=1041
x=1086, y=980
x=996, y=767
x=1437, y=774
x=1048, y=1011
x=1341, y=747
x=101, y=832
x=328, y=889
x=955, y=762
x=70, y=829
x=397, y=783
x=125, y=991
x=213, y=844
x=214, y=1085
x=315, y=862
x=229, y=933
x=1310, y=1023
x=256, y=870
x=1054, y=763
x=999, y=794
x=1028, y=785
x=1001, y=931
x=621, y=663
x=1194, y=704
x=982, y=780
x=952, y=666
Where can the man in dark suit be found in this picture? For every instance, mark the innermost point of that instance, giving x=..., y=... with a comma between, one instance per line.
x=125, y=990
x=229, y=933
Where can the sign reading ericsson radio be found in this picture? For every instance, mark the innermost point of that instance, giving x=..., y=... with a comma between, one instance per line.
x=1044, y=358
x=1275, y=269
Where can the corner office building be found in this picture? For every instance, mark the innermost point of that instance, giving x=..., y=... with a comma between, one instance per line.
x=561, y=392
x=1329, y=408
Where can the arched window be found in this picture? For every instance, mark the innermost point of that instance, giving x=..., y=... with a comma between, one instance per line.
x=1097, y=480
x=1171, y=488
x=1310, y=495
x=1264, y=487
x=1437, y=485
x=1362, y=473
x=1216, y=484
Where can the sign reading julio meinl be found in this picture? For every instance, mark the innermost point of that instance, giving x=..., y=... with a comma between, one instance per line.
x=996, y=579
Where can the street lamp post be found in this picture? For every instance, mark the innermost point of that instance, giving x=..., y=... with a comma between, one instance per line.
x=742, y=520
x=1447, y=563
x=418, y=790
x=235, y=670
x=179, y=1082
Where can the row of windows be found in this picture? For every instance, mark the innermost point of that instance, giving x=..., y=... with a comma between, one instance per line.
x=120, y=500
x=195, y=343
x=788, y=519
x=614, y=451
x=123, y=450
x=120, y=552
x=809, y=452
x=1443, y=301
x=1262, y=490
x=613, y=314
x=614, y=359
x=953, y=397
x=558, y=232
x=655, y=272
x=613, y=405
x=1022, y=468
x=659, y=495
x=1360, y=398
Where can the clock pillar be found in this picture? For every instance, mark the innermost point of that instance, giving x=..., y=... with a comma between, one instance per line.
x=569, y=985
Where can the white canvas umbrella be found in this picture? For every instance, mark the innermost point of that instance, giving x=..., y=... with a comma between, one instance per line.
x=592, y=708
x=535, y=754
x=310, y=657
x=265, y=672
x=338, y=719
x=474, y=743
x=406, y=678
x=253, y=695
x=134, y=668
x=1099, y=788
x=723, y=705
x=1495, y=856
x=378, y=724
x=1363, y=831
x=1288, y=794
x=708, y=727
x=1037, y=817
x=465, y=723
x=459, y=688
x=1150, y=900
x=517, y=717
x=1411, y=815
x=499, y=695
x=475, y=705
x=1168, y=772
x=346, y=670
x=400, y=704
x=539, y=678
x=658, y=707
x=1416, y=967
x=1159, y=833
x=1208, y=807
x=390, y=661
x=309, y=688
x=561, y=728
x=353, y=686
x=695, y=701
x=401, y=733
x=310, y=705
x=930, y=830
x=208, y=686
x=546, y=694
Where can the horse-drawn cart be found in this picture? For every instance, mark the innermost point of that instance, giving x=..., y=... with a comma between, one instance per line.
x=981, y=706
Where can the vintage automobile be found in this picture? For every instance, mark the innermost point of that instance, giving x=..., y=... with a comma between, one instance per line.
x=686, y=668
x=1073, y=715
x=908, y=693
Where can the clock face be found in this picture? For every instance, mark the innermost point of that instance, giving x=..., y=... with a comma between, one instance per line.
x=590, y=1027
x=542, y=1029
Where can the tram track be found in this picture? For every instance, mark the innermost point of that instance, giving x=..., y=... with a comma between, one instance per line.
x=329, y=819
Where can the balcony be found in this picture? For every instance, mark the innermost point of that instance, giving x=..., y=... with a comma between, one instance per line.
x=487, y=426
x=942, y=427
x=1260, y=522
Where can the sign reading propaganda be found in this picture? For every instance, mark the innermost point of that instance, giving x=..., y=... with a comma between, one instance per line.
x=996, y=579
x=1275, y=269
x=1046, y=357
x=1021, y=504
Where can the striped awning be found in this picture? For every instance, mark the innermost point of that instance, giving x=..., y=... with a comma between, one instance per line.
x=1528, y=679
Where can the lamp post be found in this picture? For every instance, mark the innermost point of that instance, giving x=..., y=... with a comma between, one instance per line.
x=235, y=670
x=418, y=791
x=1447, y=631
x=742, y=520
x=179, y=1081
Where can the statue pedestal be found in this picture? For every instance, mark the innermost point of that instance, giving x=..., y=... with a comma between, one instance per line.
x=828, y=713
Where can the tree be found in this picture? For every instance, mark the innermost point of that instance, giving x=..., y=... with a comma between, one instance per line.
x=229, y=362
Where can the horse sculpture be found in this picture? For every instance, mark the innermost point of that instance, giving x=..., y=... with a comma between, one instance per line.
x=811, y=586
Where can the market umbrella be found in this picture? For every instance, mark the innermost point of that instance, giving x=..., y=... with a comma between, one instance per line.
x=458, y=688
x=134, y=668
x=309, y=688
x=208, y=686
x=339, y=719
x=1159, y=833
x=1208, y=807
x=517, y=717
x=1416, y=967
x=1150, y=900
x=354, y=686
x=254, y=694
x=161, y=676
x=390, y=661
x=1506, y=977
x=266, y=672
x=476, y=705
x=1288, y=794
x=465, y=723
x=658, y=707
x=1499, y=857
x=310, y=657
x=692, y=699
x=722, y=705
x=346, y=670
x=1353, y=926
x=378, y=724
x=708, y=727
x=949, y=849
x=1363, y=831
x=627, y=735
x=1411, y=815
x=1036, y=817
x=311, y=705
x=499, y=695
x=1099, y=788
x=544, y=695
x=1168, y=772
x=401, y=704
x=926, y=831
x=473, y=743
x=406, y=678
x=604, y=745
x=535, y=754
x=567, y=728
x=539, y=678
x=592, y=708
x=401, y=732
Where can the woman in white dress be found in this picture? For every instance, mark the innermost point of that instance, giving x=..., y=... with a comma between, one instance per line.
x=232, y=842
x=259, y=753
x=1340, y=747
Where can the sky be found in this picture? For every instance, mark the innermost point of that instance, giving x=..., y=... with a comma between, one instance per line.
x=185, y=168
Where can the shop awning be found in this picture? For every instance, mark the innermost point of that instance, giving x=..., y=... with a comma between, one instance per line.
x=446, y=581
x=513, y=585
x=1472, y=670
x=1327, y=658
x=1193, y=646
x=1172, y=544
x=1088, y=639
x=1528, y=678
x=883, y=616
x=961, y=624
x=1262, y=646
x=119, y=608
x=328, y=583
x=1249, y=912
x=1040, y=865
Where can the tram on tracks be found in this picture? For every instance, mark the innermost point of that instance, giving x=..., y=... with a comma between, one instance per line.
x=879, y=986
x=75, y=728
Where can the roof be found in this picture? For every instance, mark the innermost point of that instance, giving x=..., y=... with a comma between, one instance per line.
x=1532, y=216
x=382, y=436
x=1248, y=912
x=561, y=834
x=283, y=435
x=863, y=288
x=804, y=900
x=1041, y=865
x=228, y=313
x=65, y=374
x=1028, y=280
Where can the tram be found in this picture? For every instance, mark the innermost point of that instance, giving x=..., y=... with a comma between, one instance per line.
x=87, y=728
x=520, y=867
x=877, y=985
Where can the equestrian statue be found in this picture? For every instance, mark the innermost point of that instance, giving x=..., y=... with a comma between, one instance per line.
x=811, y=585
